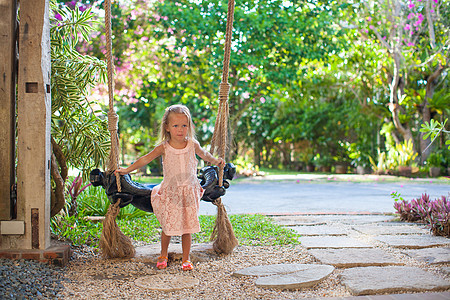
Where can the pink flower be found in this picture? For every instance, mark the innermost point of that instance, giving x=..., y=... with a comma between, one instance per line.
x=262, y=99
x=371, y=26
x=58, y=17
x=411, y=5
x=369, y=19
x=407, y=27
x=410, y=16
x=410, y=44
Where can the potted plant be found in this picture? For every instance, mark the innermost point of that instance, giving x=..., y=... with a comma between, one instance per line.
x=341, y=164
x=307, y=158
x=434, y=161
x=360, y=158
x=404, y=157
x=324, y=162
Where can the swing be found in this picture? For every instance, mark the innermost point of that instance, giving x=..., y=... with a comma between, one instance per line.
x=139, y=195
x=121, y=190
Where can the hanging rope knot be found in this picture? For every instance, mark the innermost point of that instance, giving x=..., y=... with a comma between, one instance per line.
x=113, y=120
x=224, y=90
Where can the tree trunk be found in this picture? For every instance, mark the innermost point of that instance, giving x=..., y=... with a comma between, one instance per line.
x=257, y=156
x=57, y=199
x=395, y=93
x=59, y=176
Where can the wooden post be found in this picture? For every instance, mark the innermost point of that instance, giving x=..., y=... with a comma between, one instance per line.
x=34, y=115
x=8, y=54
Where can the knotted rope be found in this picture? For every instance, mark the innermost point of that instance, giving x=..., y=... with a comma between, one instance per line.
x=223, y=235
x=113, y=243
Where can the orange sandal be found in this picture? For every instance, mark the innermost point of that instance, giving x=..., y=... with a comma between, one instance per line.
x=187, y=265
x=163, y=263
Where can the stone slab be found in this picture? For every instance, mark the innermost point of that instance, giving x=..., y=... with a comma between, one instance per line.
x=287, y=276
x=199, y=252
x=391, y=279
x=430, y=255
x=390, y=229
x=319, y=242
x=357, y=219
x=319, y=230
x=166, y=282
x=413, y=241
x=354, y=257
x=296, y=221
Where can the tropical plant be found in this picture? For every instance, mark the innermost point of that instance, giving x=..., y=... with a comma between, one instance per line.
x=80, y=138
x=433, y=129
x=404, y=153
x=74, y=190
x=434, y=212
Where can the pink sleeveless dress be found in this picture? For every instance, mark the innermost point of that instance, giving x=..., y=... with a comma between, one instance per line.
x=176, y=200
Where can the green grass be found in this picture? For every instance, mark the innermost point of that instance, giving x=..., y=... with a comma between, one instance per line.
x=251, y=230
x=268, y=171
x=148, y=179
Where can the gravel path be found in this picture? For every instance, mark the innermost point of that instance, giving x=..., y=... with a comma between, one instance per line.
x=92, y=277
x=88, y=276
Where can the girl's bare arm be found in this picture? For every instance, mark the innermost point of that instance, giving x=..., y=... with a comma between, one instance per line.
x=206, y=156
x=142, y=161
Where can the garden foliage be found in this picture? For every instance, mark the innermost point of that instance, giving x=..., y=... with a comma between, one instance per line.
x=436, y=212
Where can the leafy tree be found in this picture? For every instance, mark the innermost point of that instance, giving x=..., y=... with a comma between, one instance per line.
x=79, y=132
x=413, y=38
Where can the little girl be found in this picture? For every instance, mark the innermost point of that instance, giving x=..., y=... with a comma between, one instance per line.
x=176, y=200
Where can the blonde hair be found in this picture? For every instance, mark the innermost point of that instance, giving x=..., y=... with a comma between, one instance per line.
x=176, y=109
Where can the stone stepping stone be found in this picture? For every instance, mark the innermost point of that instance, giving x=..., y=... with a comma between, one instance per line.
x=430, y=255
x=199, y=253
x=389, y=229
x=166, y=282
x=319, y=230
x=296, y=221
x=413, y=241
x=358, y=219
x=287, y=276
x=354, y=257
x=392, y=279
x=320, y=242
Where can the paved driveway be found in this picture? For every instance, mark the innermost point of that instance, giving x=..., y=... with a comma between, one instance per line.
x=322, y=193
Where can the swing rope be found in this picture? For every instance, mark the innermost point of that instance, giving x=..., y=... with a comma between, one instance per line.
x=223, y=235
x=113, y=243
